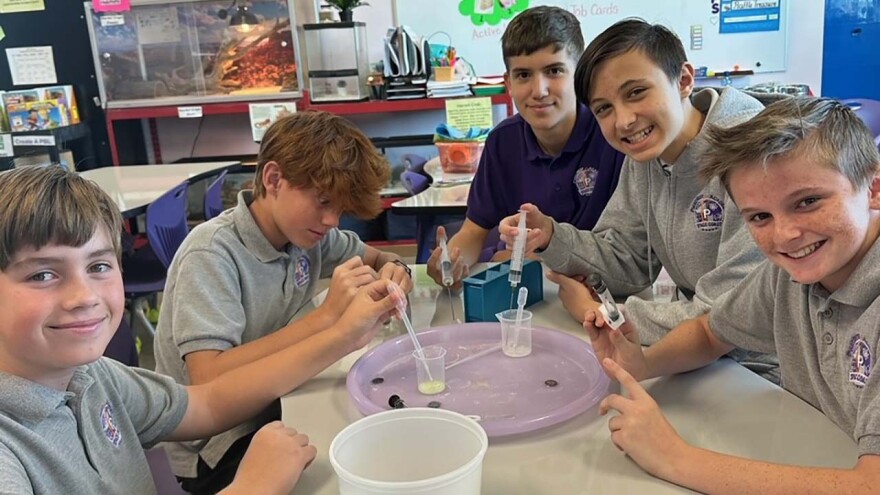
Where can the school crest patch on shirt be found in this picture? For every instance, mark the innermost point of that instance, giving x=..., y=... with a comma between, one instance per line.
x=708, y=212
x=108, y=425
x=585, y=180
x=860, y=361
x=301, y=273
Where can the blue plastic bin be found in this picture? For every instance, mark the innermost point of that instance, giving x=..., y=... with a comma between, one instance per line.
x=488, y=292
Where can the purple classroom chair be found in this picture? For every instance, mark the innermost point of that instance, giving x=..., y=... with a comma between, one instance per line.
x=213, y=203
x=143, y=273
x=414, y=182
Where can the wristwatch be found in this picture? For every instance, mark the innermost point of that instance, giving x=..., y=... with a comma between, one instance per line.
x=404, y=265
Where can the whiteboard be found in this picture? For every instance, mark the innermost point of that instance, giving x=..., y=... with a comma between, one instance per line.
x=717, y=34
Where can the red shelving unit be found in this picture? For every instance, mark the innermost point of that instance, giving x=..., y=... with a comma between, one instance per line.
x=352, y=108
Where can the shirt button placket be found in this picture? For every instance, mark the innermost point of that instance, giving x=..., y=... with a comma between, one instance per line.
x=827, y=337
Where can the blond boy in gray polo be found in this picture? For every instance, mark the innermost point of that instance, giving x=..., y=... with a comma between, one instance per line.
x=805, y=174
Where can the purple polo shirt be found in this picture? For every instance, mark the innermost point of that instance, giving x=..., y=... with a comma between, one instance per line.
x=572, y=188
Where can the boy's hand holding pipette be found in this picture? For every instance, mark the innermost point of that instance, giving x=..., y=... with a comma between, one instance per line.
x=621, y=345
x=393, y=269
x=372, y=305
x=540, y=228
x=640, y=429
x=576, y=297
x=459, y=270
x=347, y=278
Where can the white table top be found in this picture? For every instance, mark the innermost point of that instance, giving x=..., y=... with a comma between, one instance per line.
x=723, y=407
x=133, y=187
x=435, y=200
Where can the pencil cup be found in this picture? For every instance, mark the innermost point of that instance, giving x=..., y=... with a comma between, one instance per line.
x=431, y=369
x=444, y=73
x=515, y=342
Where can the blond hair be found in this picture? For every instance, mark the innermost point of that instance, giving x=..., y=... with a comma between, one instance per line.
x=50, y=205
x=326, y=152
x=826, y=131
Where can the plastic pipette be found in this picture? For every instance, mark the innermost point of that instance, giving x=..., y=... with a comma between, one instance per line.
x=475, y=355
x=516, y=258
x=520, y=305
x=401, y=311
x=446, y=273
x=608, y=308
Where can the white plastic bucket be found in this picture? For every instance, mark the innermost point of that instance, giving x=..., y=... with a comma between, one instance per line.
x=420, y=451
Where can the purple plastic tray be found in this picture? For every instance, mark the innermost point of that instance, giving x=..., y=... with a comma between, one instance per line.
x=560, y=379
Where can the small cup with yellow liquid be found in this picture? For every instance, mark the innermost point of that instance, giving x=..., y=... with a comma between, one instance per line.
x=431, y=369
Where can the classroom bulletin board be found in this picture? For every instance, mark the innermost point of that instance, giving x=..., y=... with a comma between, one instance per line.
x=720, y=35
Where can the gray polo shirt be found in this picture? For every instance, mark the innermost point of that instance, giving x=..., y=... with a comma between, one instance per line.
x=89, y=439
x=826, y=342
x=228, y=286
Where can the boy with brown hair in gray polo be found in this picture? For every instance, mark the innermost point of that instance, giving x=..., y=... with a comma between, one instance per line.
x=73, y=421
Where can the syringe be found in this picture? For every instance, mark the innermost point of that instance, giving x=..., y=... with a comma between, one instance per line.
x=516, y=258
x=445, y=263
x=608, y=308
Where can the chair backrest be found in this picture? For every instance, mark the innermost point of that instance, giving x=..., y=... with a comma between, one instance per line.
x=166, y=223
x=213, y=204
x=413, y=182
x=413, y=162
x=868, y=111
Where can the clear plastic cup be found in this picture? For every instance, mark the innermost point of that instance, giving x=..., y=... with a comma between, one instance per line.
x=515, y=342
x=431, y=369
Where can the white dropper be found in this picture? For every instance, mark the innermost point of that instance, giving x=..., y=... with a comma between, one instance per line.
x=401, y=311
x=520, y=305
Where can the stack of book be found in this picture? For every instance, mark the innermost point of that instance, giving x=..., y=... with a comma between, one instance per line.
x=448, y=89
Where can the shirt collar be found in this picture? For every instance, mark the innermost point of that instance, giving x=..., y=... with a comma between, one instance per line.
x=863, y=285
x=251, y=235
x=582, y=127
x=30, y=402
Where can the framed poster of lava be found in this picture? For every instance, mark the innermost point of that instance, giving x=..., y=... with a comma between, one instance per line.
x=175, y=52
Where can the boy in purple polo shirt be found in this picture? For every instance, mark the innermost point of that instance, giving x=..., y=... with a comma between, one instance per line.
x=551, y=154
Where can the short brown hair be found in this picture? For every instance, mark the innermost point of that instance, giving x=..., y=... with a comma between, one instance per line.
x=656, y=41
x=826, y=131
x=326, y=152
x=539, y=27
x=50, y=205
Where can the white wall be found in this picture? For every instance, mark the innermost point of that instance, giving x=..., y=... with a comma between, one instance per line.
x=230, y=134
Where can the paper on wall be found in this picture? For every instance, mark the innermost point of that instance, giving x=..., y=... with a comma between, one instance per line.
x=263, y=115
x=31, y=65
x=12, y=6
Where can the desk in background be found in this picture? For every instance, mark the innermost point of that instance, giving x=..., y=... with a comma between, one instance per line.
x=134, y=187
x=722, y=407
x=433, y=201
x=152, y=113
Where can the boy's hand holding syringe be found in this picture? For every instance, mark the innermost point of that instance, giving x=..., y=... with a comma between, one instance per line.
x=456, y=268
x=539, y=229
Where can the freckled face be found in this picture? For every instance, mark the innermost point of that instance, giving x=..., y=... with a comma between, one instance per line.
x=807, y=218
